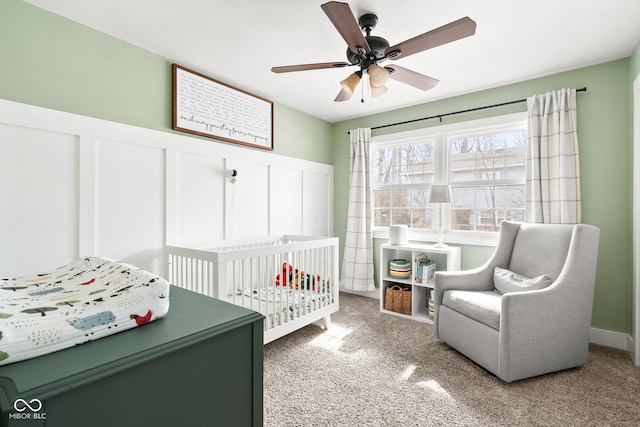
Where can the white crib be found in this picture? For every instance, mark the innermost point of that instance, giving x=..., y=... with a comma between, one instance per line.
x=292, y=280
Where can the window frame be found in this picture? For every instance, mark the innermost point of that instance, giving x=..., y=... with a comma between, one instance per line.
x=442, y=134
x=409, y=186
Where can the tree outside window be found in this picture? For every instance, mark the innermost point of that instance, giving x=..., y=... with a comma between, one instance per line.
x=402, y=175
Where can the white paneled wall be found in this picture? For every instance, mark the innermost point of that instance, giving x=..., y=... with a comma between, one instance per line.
x=199, y=195
x=38, y=181
x=317, y=201
x=73, y=186
x=129, y=203
x=286, y=195
x=247, y=200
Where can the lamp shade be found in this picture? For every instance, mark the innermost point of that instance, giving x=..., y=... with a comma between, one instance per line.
x=350, y=83
x=440, y=194
x=378, y=75
x=377, y=91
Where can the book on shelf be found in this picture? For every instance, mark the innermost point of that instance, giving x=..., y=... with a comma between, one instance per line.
x=419, y=261
x=424, y=269
x=430, y=273
x=430, y=304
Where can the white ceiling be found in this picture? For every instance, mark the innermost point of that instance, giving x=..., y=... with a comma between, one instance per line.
x=238, y=41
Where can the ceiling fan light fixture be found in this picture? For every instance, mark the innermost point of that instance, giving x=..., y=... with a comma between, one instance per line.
x=366, y=50
x=378, y=75
x=377, y=91
x=350, y=83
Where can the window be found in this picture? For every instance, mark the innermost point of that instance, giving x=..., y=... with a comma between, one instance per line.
x=483, y=161
x=402, y=175
x=487, y=174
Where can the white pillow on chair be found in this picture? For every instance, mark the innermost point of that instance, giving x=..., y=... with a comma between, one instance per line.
x=507, y=281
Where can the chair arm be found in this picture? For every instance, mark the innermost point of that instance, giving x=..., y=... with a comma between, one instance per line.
x=540, y=310
x=545, y=326
x=478, y=279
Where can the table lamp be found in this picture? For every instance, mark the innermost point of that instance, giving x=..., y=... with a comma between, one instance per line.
x=440, y=194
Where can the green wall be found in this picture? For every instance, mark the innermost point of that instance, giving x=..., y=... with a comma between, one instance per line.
x=52, y=62
x=604, y=125
x=49, y=61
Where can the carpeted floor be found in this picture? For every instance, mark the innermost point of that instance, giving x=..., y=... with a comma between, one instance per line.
x=374, y=369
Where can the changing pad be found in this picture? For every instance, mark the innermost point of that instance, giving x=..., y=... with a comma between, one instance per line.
x=88, y=299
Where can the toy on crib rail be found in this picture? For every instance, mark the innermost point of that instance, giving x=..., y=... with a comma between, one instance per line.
x=286, y=277
x=299, y=275
x=310, y=282
x=297, y=279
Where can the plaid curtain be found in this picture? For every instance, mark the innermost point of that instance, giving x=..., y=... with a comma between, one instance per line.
x=357, y=263
x=553, y=164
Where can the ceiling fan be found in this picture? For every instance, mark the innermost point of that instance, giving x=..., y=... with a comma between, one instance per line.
x=366, y=52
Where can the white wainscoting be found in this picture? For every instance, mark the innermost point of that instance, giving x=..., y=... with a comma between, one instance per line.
x=38, y=182
x=73, y=186
x=286, y=193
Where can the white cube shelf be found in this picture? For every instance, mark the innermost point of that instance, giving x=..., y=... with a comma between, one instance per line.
x=419, y=291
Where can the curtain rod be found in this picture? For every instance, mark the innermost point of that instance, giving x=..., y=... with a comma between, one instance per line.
x=440, y=116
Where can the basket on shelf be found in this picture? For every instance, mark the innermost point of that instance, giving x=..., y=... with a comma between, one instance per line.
x=397, y=298
x=406, y=301
x=400, y=269
x=389, y=294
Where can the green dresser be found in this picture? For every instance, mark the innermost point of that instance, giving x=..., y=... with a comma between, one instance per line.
x=201, y=365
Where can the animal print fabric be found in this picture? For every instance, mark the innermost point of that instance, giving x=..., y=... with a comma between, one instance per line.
x=85, y=300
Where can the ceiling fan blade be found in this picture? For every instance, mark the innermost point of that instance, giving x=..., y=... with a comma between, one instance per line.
x=306, y=67
x=345, y=22
x=343, y=95
x=412, y=78
x=448, y=33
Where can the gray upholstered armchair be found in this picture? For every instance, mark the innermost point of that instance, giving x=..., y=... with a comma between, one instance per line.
x=532, y=314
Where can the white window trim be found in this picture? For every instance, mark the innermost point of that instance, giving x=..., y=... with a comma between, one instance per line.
x=440, y=134
x=474, y=238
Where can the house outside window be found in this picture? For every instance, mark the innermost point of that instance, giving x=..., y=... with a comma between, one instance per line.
x=482, y=160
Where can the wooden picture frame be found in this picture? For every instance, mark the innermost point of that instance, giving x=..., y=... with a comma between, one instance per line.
x=206, y=107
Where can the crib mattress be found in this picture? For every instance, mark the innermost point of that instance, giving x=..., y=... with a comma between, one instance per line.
x=87, y=299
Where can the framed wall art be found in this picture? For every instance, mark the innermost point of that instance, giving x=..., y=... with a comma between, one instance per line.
x=206, y=107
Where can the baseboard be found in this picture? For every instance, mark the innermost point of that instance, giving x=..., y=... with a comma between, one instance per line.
x=613, y=339
x=632, y=351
